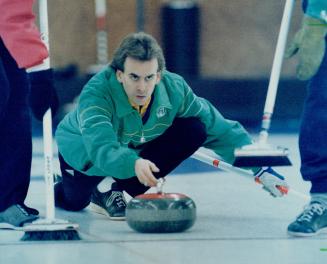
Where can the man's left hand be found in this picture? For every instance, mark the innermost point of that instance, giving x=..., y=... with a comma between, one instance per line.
x=272, y=182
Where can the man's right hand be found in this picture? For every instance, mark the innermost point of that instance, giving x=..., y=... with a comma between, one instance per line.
x=143, y=170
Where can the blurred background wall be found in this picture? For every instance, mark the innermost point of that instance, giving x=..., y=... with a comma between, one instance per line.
x=237, y=38
x=236, y=44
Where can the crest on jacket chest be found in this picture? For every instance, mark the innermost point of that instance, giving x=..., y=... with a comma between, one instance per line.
x=161, y=111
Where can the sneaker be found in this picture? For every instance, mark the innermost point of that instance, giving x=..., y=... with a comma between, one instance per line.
x=14, y=217
x=30, y=210
x=312, y=221
x=111, y=204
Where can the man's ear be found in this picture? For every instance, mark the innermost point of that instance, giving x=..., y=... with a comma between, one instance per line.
x=119, y=76
x=158, y=77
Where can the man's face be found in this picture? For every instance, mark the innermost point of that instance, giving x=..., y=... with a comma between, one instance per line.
x=139, y=79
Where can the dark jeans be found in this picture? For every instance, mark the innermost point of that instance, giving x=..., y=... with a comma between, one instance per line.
x=15, y=132
x=313, y=132
x=178, y=142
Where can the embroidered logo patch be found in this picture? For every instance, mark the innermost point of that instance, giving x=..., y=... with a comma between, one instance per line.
x=161, y=111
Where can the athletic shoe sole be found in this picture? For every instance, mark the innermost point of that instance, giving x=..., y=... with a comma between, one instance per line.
x=10, y=227
x=301, y=234
x=99, y=210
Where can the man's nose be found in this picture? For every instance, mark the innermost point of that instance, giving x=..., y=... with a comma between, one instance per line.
x=141, y=85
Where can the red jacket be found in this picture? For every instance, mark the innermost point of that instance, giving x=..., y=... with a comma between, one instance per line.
x=20, y=34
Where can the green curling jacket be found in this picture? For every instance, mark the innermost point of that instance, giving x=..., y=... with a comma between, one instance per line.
x=98, y=138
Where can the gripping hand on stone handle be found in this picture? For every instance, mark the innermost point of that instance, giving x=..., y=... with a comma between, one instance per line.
x=144, y=172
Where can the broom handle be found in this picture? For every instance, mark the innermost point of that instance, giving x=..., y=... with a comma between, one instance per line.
x=275, y=71
x=47, y=120
x=48, y=157
x=101, y=35
x=203, y=157
x=44, y=29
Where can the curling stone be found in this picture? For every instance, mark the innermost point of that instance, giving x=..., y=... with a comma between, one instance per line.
x=161, y=213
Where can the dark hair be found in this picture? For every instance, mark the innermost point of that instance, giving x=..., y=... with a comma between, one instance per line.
x=139, y=46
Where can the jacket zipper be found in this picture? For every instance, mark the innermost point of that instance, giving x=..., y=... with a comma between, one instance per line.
x=142, y=139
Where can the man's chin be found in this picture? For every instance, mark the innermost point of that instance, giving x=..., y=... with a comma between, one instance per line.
x=140, y=102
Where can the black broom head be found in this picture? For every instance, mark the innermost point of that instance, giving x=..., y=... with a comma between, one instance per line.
x=50, y=235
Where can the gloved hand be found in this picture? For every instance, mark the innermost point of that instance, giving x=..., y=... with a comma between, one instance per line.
x=43, y=94
x=272, y=182
x=309, y=43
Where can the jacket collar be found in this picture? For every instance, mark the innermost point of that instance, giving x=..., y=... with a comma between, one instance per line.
x=161, y=98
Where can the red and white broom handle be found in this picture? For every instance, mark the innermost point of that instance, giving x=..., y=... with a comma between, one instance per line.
x=213, y=161
x=275, y=71
x=101, y=34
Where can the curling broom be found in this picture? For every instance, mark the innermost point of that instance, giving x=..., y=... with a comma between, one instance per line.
x=261, y=153
x=48, y=228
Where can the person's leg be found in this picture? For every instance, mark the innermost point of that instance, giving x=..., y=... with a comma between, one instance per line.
x=15, y=132
x=167, y=151
x=313, y=131
x=313, y=151
x=73, y=193
x=76, y=191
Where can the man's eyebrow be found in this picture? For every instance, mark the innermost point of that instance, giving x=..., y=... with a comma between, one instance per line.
x=150, y=75
x=133, y=74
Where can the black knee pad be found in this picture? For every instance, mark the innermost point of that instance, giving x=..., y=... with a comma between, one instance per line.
x=193, y=129
x=70, y=203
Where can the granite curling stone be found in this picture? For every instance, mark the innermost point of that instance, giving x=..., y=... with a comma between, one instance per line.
x=161, y=213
